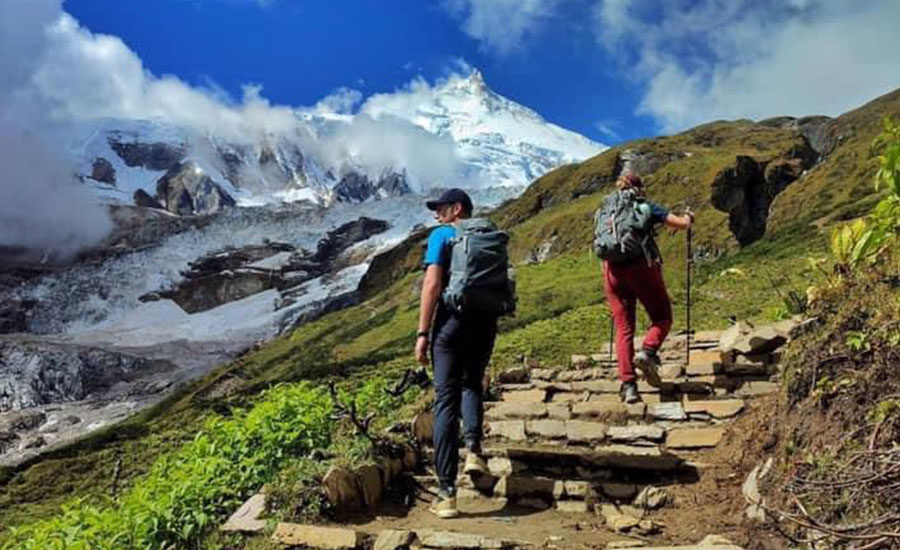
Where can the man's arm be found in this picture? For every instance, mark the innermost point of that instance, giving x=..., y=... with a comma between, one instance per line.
x=679, y=222
x=431, y=293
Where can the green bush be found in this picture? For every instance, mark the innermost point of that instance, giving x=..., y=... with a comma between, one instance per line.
x=187, y=492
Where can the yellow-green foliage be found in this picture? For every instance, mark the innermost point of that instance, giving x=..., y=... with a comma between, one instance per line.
x=194, y=488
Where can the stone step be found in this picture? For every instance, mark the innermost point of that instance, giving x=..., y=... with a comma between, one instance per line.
x=246, y=519
x=613, y=411
x=313, y=536
x=700, y=387
x=608, y=456
x=451, y=540
x=580, y=433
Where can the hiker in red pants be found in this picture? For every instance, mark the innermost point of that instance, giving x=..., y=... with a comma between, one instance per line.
x=632, y=277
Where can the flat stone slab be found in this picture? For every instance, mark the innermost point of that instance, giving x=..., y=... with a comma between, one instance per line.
x=627, y=434
x=569, y=397
x=717, y=408
x=596, y=386
x=544, y=374
x=666, y=411
x=522, y=485
x=246, y=518
x=583, y=431
x=326, y=538
x=524, y=396
x=608, y=408
x=705, y=357
x=509, y=429
x=502, y=466
x=765, y=339
x=572, y=507
x=694, y=438
x=637, y=458
x=506, y=411
x=671, y=371
x=458, y=541
x=559, y=411
x=551, y=429
x=703, y=369
x=394, y=539
x=596, y=373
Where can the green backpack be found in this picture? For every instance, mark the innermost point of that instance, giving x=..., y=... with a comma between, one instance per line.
x=622, y=228
x=480, y=276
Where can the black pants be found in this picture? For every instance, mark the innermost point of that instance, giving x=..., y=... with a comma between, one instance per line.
x=460, y=351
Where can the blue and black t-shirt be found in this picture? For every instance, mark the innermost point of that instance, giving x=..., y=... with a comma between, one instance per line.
x=658, y=214
x=438, y=249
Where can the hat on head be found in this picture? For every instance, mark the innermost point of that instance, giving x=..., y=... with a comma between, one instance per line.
x=451, y=196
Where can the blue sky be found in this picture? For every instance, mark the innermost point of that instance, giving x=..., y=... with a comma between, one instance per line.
x=302, y=51
x=613, y=70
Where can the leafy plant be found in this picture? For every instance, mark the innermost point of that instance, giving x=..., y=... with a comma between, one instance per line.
x=857, y=340
x=854, y=245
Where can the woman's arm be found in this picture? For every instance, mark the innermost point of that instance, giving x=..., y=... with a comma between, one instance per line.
x=679, y=222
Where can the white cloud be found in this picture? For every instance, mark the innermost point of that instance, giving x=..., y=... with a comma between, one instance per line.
x=343, y=101
x=502, y=26
x=607, y=129
x=41, y=207
x=734, y=59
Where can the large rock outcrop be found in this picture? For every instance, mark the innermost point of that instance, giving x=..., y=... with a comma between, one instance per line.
x=356, y=187
x=234, y=274
x=157, y=156
x=186, y=189
x=746, y=189
x=103, y=171
x=35, y=372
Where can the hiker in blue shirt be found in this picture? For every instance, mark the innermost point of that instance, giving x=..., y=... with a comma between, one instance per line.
x=460, y=345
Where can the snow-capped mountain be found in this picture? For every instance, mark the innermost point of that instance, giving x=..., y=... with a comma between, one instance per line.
x=507, y=143
x=187, y=293
x=457, y=133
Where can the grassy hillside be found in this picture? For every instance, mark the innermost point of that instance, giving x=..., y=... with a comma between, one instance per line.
x=561, y=307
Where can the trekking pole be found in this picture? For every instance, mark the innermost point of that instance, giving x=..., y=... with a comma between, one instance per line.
x=688, y=263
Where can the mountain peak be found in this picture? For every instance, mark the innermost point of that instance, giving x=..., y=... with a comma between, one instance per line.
x=476, y=81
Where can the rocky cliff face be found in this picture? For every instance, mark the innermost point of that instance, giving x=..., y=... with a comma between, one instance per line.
x=185, y=189
x=229, y=275
x=747, y=189
x=35, y=372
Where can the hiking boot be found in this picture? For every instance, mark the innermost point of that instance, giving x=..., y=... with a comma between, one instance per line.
x=630, y=393
x=647, y=361
x=444, y=505
x=475, y=465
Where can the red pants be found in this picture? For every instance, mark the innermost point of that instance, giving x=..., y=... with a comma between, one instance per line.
x=625, y=284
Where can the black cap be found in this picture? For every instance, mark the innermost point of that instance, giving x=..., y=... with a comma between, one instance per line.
x=451, y=196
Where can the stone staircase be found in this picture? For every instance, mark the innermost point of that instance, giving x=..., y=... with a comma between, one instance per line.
x=560, y=441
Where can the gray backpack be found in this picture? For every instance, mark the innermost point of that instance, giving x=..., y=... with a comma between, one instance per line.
x=622, y=228
x=480, y=279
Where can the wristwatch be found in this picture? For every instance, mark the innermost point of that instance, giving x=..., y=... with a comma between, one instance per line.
x=422, y=333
